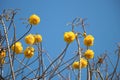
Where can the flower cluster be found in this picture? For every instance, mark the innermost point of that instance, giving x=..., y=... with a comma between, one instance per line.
x=29, y=52
x=84, y=63
x=34, y=19
x=89, y=40
x=69, y=36
x=80, y=64
x=30, y=39
x=17, y=48
x=76, y=65
x=88, y=54
x=2, y=56
x=38, y=38
x=33, y=39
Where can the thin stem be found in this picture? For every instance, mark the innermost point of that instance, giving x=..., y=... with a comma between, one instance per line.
x=7, y=42
x=57, y=66
x=67, y=65
x=88, y=75
x=50, y=60
x=101, y=78
x=115, y=67
x=12, y=18
x=25, y=65
x=79, y=53
x=14, y=27
x=90, y=71
x=53, y=62
x=23, y=35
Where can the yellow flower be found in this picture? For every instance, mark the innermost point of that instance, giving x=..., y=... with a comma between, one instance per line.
x=76, y=65
x=29, y=52
x=2, y=54
x=69, y=36
x=83, y=63
x=18, y=43
x=89, y=40
x=34, y=19
x=38, y=38
x=2, y=61
x=17, y=47
x=89, y=54
x=29, y=39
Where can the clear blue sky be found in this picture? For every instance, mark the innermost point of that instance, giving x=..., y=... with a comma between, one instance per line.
x=102, y=15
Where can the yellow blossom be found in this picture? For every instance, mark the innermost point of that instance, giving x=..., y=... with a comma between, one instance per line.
x=34, y=19
x=17, y=47
x=29, y=39
x=89, y=54
x=38, y=38
x=76, y=65
x=29, y=52
x=82, y=64
x=18, y=43
x=89, y=40
x=2, y=54
x=69, y=36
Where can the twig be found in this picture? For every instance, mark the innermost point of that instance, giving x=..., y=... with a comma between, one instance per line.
x=6, y=36
x=54, y=61
x=25, y=66
x=23, y=35
x=114, y=71
x=101, y=78
x=79, y=53
x=50, y=60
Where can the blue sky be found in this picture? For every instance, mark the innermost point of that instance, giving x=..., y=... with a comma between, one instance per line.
x=102, y=15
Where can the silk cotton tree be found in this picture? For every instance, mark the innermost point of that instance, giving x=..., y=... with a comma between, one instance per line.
x=18, y=62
